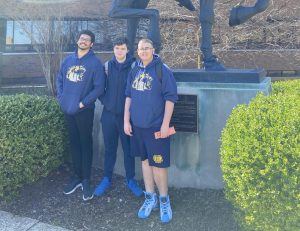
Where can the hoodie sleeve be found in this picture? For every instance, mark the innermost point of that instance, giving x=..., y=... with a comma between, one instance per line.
x=98, y=85
x=169, y=87
x=128, y=85
x=102, y=96
x=59, y=82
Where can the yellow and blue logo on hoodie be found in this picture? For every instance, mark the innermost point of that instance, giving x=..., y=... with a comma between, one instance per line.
x=142, y=82
x=76, y=73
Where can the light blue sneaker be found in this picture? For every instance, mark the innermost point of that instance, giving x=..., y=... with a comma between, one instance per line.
x=134, y=188
x=165, y=209
x=102, y=187
x=149, y=204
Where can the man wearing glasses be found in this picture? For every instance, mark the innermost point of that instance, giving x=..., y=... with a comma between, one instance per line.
x=149, y=106
x=80, y=82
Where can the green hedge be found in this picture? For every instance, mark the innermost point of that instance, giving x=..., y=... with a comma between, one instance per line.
x=286, y=87
x=260, y=160
x=32, y=140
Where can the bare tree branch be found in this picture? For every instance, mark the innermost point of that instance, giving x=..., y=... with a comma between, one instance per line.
x=48, y=37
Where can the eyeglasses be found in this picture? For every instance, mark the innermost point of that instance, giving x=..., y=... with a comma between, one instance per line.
x=145, y=49
x=84, y=39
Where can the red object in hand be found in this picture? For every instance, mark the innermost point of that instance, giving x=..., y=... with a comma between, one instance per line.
x=171, y=131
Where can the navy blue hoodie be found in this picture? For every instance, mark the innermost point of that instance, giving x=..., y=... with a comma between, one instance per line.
x=114, y=97
x=79, y=80
x=148, y=94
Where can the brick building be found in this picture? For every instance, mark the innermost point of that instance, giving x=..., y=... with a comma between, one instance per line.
x=270, y=41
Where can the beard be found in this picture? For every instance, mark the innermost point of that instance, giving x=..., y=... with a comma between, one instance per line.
x=83, y=47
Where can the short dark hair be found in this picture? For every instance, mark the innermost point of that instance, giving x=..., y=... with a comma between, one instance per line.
x=120, y=41
x=89, y=33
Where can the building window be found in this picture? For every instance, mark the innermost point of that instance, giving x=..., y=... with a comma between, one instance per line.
x=17, y=36
x=22, y=36
x=21, y=30
x=9, y=32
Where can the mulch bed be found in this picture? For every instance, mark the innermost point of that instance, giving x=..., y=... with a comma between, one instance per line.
x=193, y=209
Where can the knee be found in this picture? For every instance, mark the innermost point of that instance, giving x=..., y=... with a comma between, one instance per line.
x=113, y=12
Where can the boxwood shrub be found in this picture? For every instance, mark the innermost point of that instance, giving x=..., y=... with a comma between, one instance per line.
x=286, y=87
x=260, y=160
x=32, y=140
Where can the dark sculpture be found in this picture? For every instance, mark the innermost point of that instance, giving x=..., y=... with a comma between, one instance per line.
x=133, y=10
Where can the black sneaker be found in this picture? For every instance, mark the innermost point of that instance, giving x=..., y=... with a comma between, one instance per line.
x=88, y=193
x=74, y=183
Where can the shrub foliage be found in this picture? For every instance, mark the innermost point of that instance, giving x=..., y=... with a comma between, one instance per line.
x=260, y=156
x=32, y=140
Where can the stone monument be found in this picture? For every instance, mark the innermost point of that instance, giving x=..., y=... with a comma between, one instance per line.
x=206, y=97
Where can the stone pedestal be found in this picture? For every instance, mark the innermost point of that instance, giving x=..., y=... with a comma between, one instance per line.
x=195, y=160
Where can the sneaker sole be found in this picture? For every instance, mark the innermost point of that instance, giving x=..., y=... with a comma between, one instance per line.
x=88, y=198
x=144, y=217
x=73, y=190
x=165, y=222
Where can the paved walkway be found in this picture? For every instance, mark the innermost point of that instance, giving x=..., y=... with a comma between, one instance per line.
x=10, y=222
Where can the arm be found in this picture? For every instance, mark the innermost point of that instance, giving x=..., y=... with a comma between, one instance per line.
x=169, y=107
x=169, y=89
x=59, y=83
x=98, y=86
x=102, y=96
x=127, y=125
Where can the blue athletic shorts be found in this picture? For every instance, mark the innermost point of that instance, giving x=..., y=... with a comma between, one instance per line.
x=144, y=145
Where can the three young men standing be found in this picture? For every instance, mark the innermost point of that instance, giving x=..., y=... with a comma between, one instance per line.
x=148, y=108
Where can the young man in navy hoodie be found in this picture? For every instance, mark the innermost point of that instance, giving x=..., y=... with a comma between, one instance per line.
x=80, y=82
x=112, y=118
x=149, y=106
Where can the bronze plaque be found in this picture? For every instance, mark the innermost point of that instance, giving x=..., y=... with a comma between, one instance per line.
x=185, y=115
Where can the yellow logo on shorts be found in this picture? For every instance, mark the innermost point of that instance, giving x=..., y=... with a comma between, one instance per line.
x=158, y=159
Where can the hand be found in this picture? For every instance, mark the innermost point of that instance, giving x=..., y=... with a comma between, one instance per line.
x=127, y=128
x=164, y=130
x=81, y=105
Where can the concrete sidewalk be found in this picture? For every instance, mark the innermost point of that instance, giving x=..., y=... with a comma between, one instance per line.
x=10, y=222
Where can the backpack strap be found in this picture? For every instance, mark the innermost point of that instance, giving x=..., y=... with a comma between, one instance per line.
x=106, y=68
x=159, y=71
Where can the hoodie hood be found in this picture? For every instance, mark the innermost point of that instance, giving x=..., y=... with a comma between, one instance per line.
x=127, y=63
x=90, y=52
x=154, y=61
